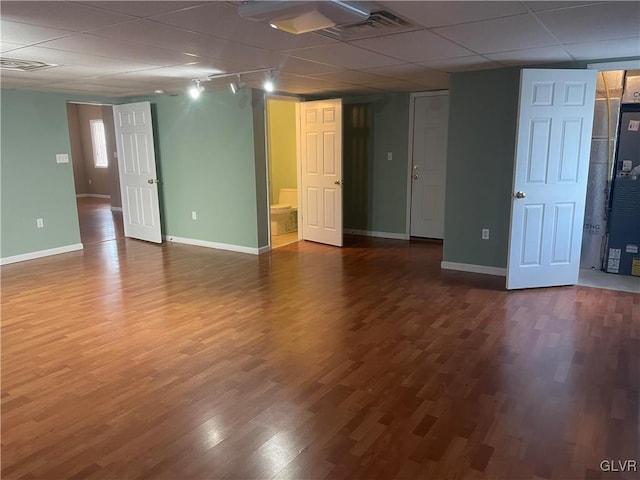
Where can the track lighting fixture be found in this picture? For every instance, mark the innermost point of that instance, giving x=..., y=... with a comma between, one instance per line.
x=235, y=86
x=269, y=84
x=196, y=89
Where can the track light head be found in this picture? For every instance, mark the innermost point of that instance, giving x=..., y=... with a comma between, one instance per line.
x=236, y=86
x=196, y=89
x=269, y=84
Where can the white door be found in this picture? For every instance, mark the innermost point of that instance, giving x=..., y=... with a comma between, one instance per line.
x=137, y=168
x=321, y=178
x=553, y=143
x=429, y=162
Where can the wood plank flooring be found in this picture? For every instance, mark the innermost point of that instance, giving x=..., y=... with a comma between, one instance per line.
x=135, y=361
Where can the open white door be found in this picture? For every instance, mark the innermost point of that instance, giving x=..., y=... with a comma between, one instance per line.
x=137, y=167
x=429, y=163
x=321, y=179
x=550, y=177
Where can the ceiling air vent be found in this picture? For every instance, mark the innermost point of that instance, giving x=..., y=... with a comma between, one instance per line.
x=379, y=23
x=23, y=65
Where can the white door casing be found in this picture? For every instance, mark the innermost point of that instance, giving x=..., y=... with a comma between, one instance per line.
x=137, y=170
x=428, y=163
x=321, y=178
x=553, y=142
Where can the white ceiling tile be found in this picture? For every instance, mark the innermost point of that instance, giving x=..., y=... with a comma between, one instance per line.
x=142, y=8
x=344, y=55
x=91, y=44
x=23, y=34
x=405, y=70
x=88, y=87
x=214, y=18
x=56, y=74
x=416, y=46
x=59, y=57
x=603, y=21
x=541, y=6
x=152, y=33
x=499, y=35
x=532, y=56
x=395, y=85
x=462, y=64
x=222, y=20
x=625, y=47
x=63, y=15
x=351, y=76
x=298, y=66
x=7, y=47
x=436, y=14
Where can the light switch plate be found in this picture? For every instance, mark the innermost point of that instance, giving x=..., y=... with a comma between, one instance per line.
x=62, y=158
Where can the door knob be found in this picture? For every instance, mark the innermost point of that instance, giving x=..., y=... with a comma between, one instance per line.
x=415, y=176
x=152, y=181
x=520, y=194
x=337, y=182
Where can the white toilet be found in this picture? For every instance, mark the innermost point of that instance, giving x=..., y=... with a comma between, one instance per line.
x=284, y=214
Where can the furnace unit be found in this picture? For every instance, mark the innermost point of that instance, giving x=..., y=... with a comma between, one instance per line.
x=623, y=252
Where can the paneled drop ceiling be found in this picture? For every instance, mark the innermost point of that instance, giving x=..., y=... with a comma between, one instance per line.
x=131, y=48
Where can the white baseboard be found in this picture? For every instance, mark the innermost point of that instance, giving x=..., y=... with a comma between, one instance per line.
x=466, y=267
x=116, y=209
x=41, y=253
x=370, y=233
x=216, y=245
x=264, y=249
x=92, y=195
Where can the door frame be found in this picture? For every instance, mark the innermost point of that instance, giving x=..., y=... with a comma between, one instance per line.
x=412, y=111
x=284, y=98
x=95, y=104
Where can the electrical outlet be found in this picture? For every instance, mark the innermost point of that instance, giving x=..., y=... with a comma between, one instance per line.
x=485, y=234
x=40, y=222
x=89, y=180
x=194, y=215
x=389, y=156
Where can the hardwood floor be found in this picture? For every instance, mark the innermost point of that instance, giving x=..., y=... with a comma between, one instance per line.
x=278, y=241
x=97, y=222
x=130, y=360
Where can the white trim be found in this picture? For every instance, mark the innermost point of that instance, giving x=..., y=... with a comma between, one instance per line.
x=216, y=245
x=116, y=209
x=370, y=233
x=624, y=65
x=466, y=267
x=41, y=253
x=92, y=195
x=412, y=112
x=265, y=249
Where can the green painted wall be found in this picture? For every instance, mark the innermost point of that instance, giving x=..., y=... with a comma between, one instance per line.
x=387, y=180
x=205, y=155
x=260, y=153
x=34, y=128
x=283, y=168
x=481, y=146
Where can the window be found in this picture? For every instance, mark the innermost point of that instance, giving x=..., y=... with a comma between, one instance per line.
x=100, y=158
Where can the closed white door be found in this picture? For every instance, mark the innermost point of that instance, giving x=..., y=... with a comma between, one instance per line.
x=137, y=169
x=553, y=144
x=429, y=162
x=321, y=178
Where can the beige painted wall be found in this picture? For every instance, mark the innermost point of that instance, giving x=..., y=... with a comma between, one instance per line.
x=97, y=178
x=110, y=134
x=281, y=127
x=77, y=154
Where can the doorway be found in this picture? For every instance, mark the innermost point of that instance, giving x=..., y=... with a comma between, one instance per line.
x=95, y=171
x=282, y=159
x=429, y=119
x=614, y=95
